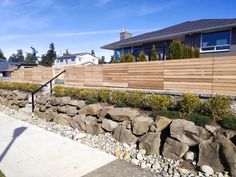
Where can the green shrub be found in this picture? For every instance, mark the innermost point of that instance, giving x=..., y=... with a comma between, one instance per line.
x=142, y=56
x=87, y=94
x=153, y=53
x=198, y=119
x=217, y=107
x=91, y=101
x=120, y=105
x=27, y=87
x=135, y=99
x=165, y=113
x=104, y=95
x=158, y=102
x=189, y=103
x=229, y=122
x=118, y=97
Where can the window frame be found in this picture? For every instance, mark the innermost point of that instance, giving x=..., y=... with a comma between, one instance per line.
x=215, y=46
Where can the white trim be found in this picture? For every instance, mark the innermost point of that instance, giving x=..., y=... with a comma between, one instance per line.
x=215, y=46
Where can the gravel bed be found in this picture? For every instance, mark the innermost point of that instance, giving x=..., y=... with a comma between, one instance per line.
x=157, y=164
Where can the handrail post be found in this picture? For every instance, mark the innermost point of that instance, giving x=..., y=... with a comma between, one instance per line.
x=32, y=97
x=51, y=87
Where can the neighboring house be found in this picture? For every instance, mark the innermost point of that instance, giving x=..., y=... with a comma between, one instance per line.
x=6, y=67
x=214, y=37
x=79, y=59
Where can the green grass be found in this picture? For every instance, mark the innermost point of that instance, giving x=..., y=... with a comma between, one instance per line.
x=1, y=174
x=229, y=122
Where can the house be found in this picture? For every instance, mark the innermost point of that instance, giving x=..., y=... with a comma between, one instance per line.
x=6, y=67
x=214, y=37
x=79, y=59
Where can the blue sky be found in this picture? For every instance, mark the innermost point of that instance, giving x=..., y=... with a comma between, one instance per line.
x=83, y=25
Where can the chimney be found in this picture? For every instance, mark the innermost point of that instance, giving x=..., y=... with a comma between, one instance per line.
x=125, y=34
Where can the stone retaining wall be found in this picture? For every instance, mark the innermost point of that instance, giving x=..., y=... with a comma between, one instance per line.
x=14, y=99
x=173, y=139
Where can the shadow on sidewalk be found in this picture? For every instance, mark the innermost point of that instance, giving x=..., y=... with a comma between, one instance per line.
x=17, y=132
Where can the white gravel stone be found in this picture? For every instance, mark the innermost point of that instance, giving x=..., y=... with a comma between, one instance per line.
x=207, y=169
x=156, y=166
x=139, y=157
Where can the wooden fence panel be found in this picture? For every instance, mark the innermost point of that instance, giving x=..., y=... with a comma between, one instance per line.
x=93, y=76
x=189, y=75
x=224, y=80
x=147, y=75
x=115, y=75
x=74, y=76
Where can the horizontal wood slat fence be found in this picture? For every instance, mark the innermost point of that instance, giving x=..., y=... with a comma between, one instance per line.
x=37, y=75
x=215, y=75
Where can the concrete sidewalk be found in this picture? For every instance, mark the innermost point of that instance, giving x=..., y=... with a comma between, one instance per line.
x=28, y=151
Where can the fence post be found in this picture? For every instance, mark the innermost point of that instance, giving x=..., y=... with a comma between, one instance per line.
x=51, y=87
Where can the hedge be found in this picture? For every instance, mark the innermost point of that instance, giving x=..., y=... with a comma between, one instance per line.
x=27, y=87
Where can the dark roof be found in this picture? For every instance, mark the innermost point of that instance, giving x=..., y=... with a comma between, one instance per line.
x=11, y=66
x=182, y=28
x=74, y=55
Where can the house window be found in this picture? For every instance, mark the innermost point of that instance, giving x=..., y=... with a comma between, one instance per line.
x=217, y=41
x=73, y=59
x=61, y=60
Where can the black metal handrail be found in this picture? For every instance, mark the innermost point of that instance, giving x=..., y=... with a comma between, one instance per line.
x=49, y=82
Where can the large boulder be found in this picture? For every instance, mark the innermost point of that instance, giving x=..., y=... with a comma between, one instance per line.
x=78, y=121
x=104, y=110
x=62, y=101
x=94, y=128
x=62, y=119
x=121, y=114
x=52, y=101
x=109, y=125
x=174, y=149
x=187, y=132
x=123, y=135
x=71, y=110
x=150, y=142
x=79, y=104
x=218, y=153
x=141, y=124
x=21, y=95
x=61, y=109
x=209, y=155
x=92, y=109
x=161, y=123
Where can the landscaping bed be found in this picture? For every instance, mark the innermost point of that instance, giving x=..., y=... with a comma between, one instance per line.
x=146, y=129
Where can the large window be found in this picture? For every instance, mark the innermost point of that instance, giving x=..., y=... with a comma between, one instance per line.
x=217, y=41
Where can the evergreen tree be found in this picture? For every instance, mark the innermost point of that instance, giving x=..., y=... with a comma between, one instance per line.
x=175, y=50
x=112, y=59
x=142, y=56
x=153, y=53
x=31, y=57
x=102, y=60
x=49, y=57
x=196, y=53
x=19, y=57
x=66, y=53
x=122, y=58
x=190, y=52
x=185, y=50
x=129, y=58
x=2, y=55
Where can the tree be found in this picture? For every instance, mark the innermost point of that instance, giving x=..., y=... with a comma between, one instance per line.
x=130, y=58
x=122, y=58
x=19, y=57
x=31, y=57
x=175, y=50
x=142, y=56
x=66, y=53
x=2, y=55
x=196, y=53
x=101, y=60
x=153, y=53
x=112, y=59
x=92, y=52
x=49, y=57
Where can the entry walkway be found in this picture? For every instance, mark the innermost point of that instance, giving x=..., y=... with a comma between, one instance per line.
x=28, y=151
